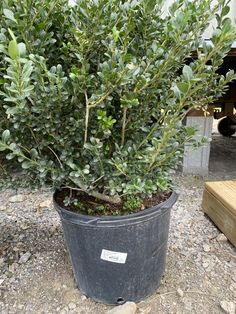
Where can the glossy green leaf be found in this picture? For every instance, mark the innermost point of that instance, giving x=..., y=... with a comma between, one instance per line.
x=2, y=147
x=176, y=91
x=187, y=73
x=13, y=50
x=34, y=153
x=183, y=87
x=9, y=15
x=26, y=165
x=21, y=49
x=2, y=49
x=5, y=136
x=225, y=10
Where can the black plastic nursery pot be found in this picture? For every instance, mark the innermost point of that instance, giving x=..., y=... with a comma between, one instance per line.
x=121, y=258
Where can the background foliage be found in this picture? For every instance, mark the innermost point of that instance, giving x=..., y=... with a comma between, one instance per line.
x=93, y=96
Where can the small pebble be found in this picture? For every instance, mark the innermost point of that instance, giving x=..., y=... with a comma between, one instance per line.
x=24, y=226
x=180, y=292
x=71, y=306
x=233, y=287
x=12, y=268
x=228, y=307
x=17, y=198
x=127, y=308
x=65, y=309
x=187, y=303
x=206, y=248
x=221, y=238
x=24, y=258
x=46, y=204
x=20, y=306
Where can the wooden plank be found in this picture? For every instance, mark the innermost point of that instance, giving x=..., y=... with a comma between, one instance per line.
x=225, y=192
x=224, y=219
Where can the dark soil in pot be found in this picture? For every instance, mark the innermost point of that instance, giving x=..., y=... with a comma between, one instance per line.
x=85, y=204
x=117, y=258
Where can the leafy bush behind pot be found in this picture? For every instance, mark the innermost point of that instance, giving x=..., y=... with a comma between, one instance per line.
x=93, y=96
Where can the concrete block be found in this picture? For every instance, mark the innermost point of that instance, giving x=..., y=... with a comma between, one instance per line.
x=197, y=161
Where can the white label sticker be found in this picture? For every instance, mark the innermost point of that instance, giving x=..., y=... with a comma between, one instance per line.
x=114, y=257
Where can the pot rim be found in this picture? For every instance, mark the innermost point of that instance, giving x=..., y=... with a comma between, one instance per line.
x=145, y=214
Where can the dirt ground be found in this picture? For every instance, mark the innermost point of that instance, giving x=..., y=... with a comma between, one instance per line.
x=36, y=275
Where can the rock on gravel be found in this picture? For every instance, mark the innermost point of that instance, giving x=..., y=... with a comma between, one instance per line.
x=13, y=267
x=17, y=198
x=46, y=204
x=1, y=281
x=221, y=238
x=180, y=292
x=64, y=311
x=206, y=248
x=24, y=258
x=127, y=308
x=228, y=307
x=71, y=306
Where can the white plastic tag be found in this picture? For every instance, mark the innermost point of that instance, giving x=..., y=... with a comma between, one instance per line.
x=114, y=257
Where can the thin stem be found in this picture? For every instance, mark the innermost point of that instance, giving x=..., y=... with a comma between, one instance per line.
x=33, y=135
x=86, y=117
x=160, y=145
x=72, y=188
x=106, y=198
x=58, y=159
x=123, y=126
x=98, y=179
x=121, y=171
x=98, y=102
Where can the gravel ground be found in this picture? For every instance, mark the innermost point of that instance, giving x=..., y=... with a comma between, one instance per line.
x=36, y=275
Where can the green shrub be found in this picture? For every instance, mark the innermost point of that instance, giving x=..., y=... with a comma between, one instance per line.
x=93, y=96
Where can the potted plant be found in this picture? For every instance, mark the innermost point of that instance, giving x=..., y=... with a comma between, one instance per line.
x=92, y=99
